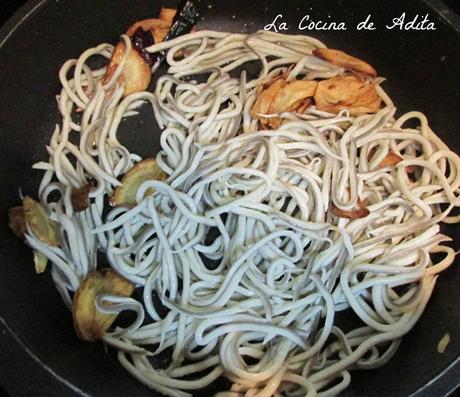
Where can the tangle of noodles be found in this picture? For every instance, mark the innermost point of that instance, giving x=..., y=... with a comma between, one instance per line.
x=239, y=243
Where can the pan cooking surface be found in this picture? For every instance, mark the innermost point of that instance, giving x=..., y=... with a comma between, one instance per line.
x=422, y=68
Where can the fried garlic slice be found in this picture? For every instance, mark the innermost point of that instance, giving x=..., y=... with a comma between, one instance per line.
x=347, y=92
x=39, y=222
x=167, y=14
x=264, y=100
x=281, y=96
x=17, y=221
x=80, y=197
x=136, y=74
x=145, y=170
x=390, y=159
x=91, y=324
x=360, y=211
x=295, y=96
x=342, y=59
x=40, y=262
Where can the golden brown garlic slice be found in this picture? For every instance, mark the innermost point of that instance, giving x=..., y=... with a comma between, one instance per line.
x=145, y=170
x=17, y=221
x=80, y=197
x=295, y=97
x=346, y=61
x=390, y=159
x=360, y=211
x=264, y=100
x=282, y=96
x=167, y=14
x=347, y=92
x=43, y=228
x=40, y=262
x=136, y=74
x=91, y=324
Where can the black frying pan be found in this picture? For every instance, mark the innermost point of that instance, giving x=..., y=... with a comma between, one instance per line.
x=40, y=354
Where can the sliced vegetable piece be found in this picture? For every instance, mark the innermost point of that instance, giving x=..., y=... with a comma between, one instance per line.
x=443, y=343
x=40, y=261
x=38, y=220
x=347, y=92
x=145, y=170
x=264, y=101
x=360, y=211
x=295, y=96
x=80, y=197
x=280, y=96
x=346, y=61
x=167, y=14
x=390, y=159
x=91, y=324
x=17, y=221
x=136, y=73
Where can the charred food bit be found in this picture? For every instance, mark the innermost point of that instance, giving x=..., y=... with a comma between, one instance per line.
x=145, y=170
x=140, y=40
x=347, y=92
x=91, y=324
x=346, y=61
x=157, y=27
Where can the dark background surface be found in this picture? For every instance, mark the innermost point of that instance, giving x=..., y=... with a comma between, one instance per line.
x=17, y=353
